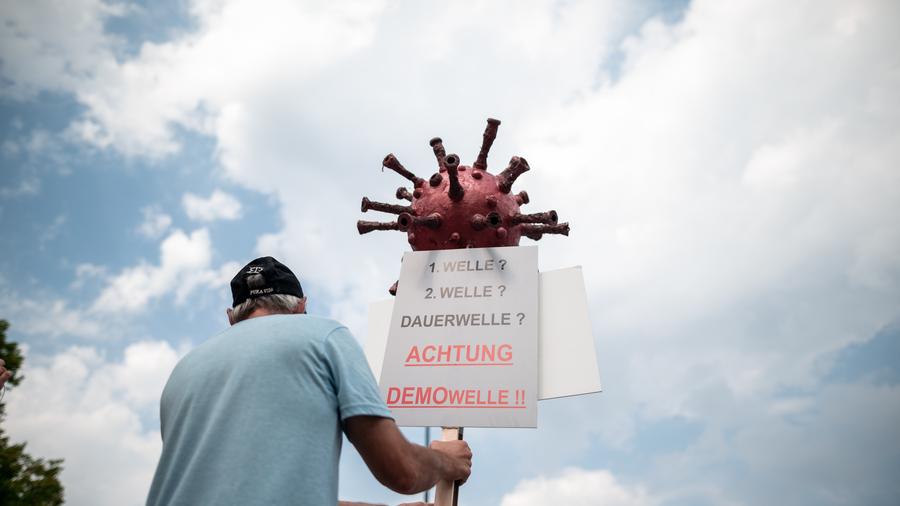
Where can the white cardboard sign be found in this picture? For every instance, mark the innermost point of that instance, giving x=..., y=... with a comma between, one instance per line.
x=567, y=363
x=567, y=356
x=462, y=348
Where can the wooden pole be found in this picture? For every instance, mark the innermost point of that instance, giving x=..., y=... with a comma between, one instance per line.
x=447, y=492
x=427, y=444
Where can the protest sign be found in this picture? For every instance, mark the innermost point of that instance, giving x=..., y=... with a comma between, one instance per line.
x=567, y=357
x=462, y=346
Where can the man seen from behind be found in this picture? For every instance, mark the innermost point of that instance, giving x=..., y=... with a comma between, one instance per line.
x=255, y=414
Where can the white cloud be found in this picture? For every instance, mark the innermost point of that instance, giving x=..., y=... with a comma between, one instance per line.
x=89, y=410
x=576, y=487
x=134, y=105
x=315, y=54
x=184, y=266
x=721, y=202
x=734, y=200
x=155, y=223
x=318, y=179
x=86, y=271
x=219, y=206
x=45, y=45
x=828, y=447
x=847, y=427
x=49, y=317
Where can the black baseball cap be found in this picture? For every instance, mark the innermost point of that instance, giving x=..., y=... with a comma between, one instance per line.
x=264, y=276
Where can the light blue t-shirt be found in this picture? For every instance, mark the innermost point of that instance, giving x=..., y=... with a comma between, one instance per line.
x=253, y=416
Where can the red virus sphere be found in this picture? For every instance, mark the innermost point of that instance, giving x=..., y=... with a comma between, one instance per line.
x=461, y=206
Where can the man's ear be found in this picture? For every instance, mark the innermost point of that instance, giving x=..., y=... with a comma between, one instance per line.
x=230, y=313
x=301, y=306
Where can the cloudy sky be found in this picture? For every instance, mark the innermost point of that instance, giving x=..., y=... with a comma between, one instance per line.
x=729, y=169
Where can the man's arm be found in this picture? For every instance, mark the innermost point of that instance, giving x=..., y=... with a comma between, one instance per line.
x=402, y=466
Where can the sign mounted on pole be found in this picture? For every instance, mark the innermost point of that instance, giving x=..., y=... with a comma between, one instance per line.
x=462, y=347
x=567, y=357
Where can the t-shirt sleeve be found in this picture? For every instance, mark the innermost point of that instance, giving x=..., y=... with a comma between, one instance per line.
x=357, y=391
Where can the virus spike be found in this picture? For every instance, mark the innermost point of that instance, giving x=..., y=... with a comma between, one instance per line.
x=364, y=227
x=438, y=146
x=490, y=133
x=517, y=166
x=381, y=206
x=432, y=221
x=456, y=191
x=391, y=162
x=436, y=179
x=478, y=222
x=522, y=197
x=537, y=231
x=549, y=217
x=403, y=194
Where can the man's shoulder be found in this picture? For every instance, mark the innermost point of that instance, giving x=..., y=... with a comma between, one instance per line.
x=262, y=336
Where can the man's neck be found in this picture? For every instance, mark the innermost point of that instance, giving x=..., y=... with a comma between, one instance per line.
x=258, y=312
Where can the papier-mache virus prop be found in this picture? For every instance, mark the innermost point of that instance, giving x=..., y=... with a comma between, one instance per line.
x=461, y=206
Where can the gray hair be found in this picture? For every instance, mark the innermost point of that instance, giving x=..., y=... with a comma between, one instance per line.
x=276, y=303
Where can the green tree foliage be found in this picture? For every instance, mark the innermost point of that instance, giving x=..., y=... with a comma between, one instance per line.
x=24, y=480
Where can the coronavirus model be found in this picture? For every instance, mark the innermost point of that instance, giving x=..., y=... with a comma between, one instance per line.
x=461, y=206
